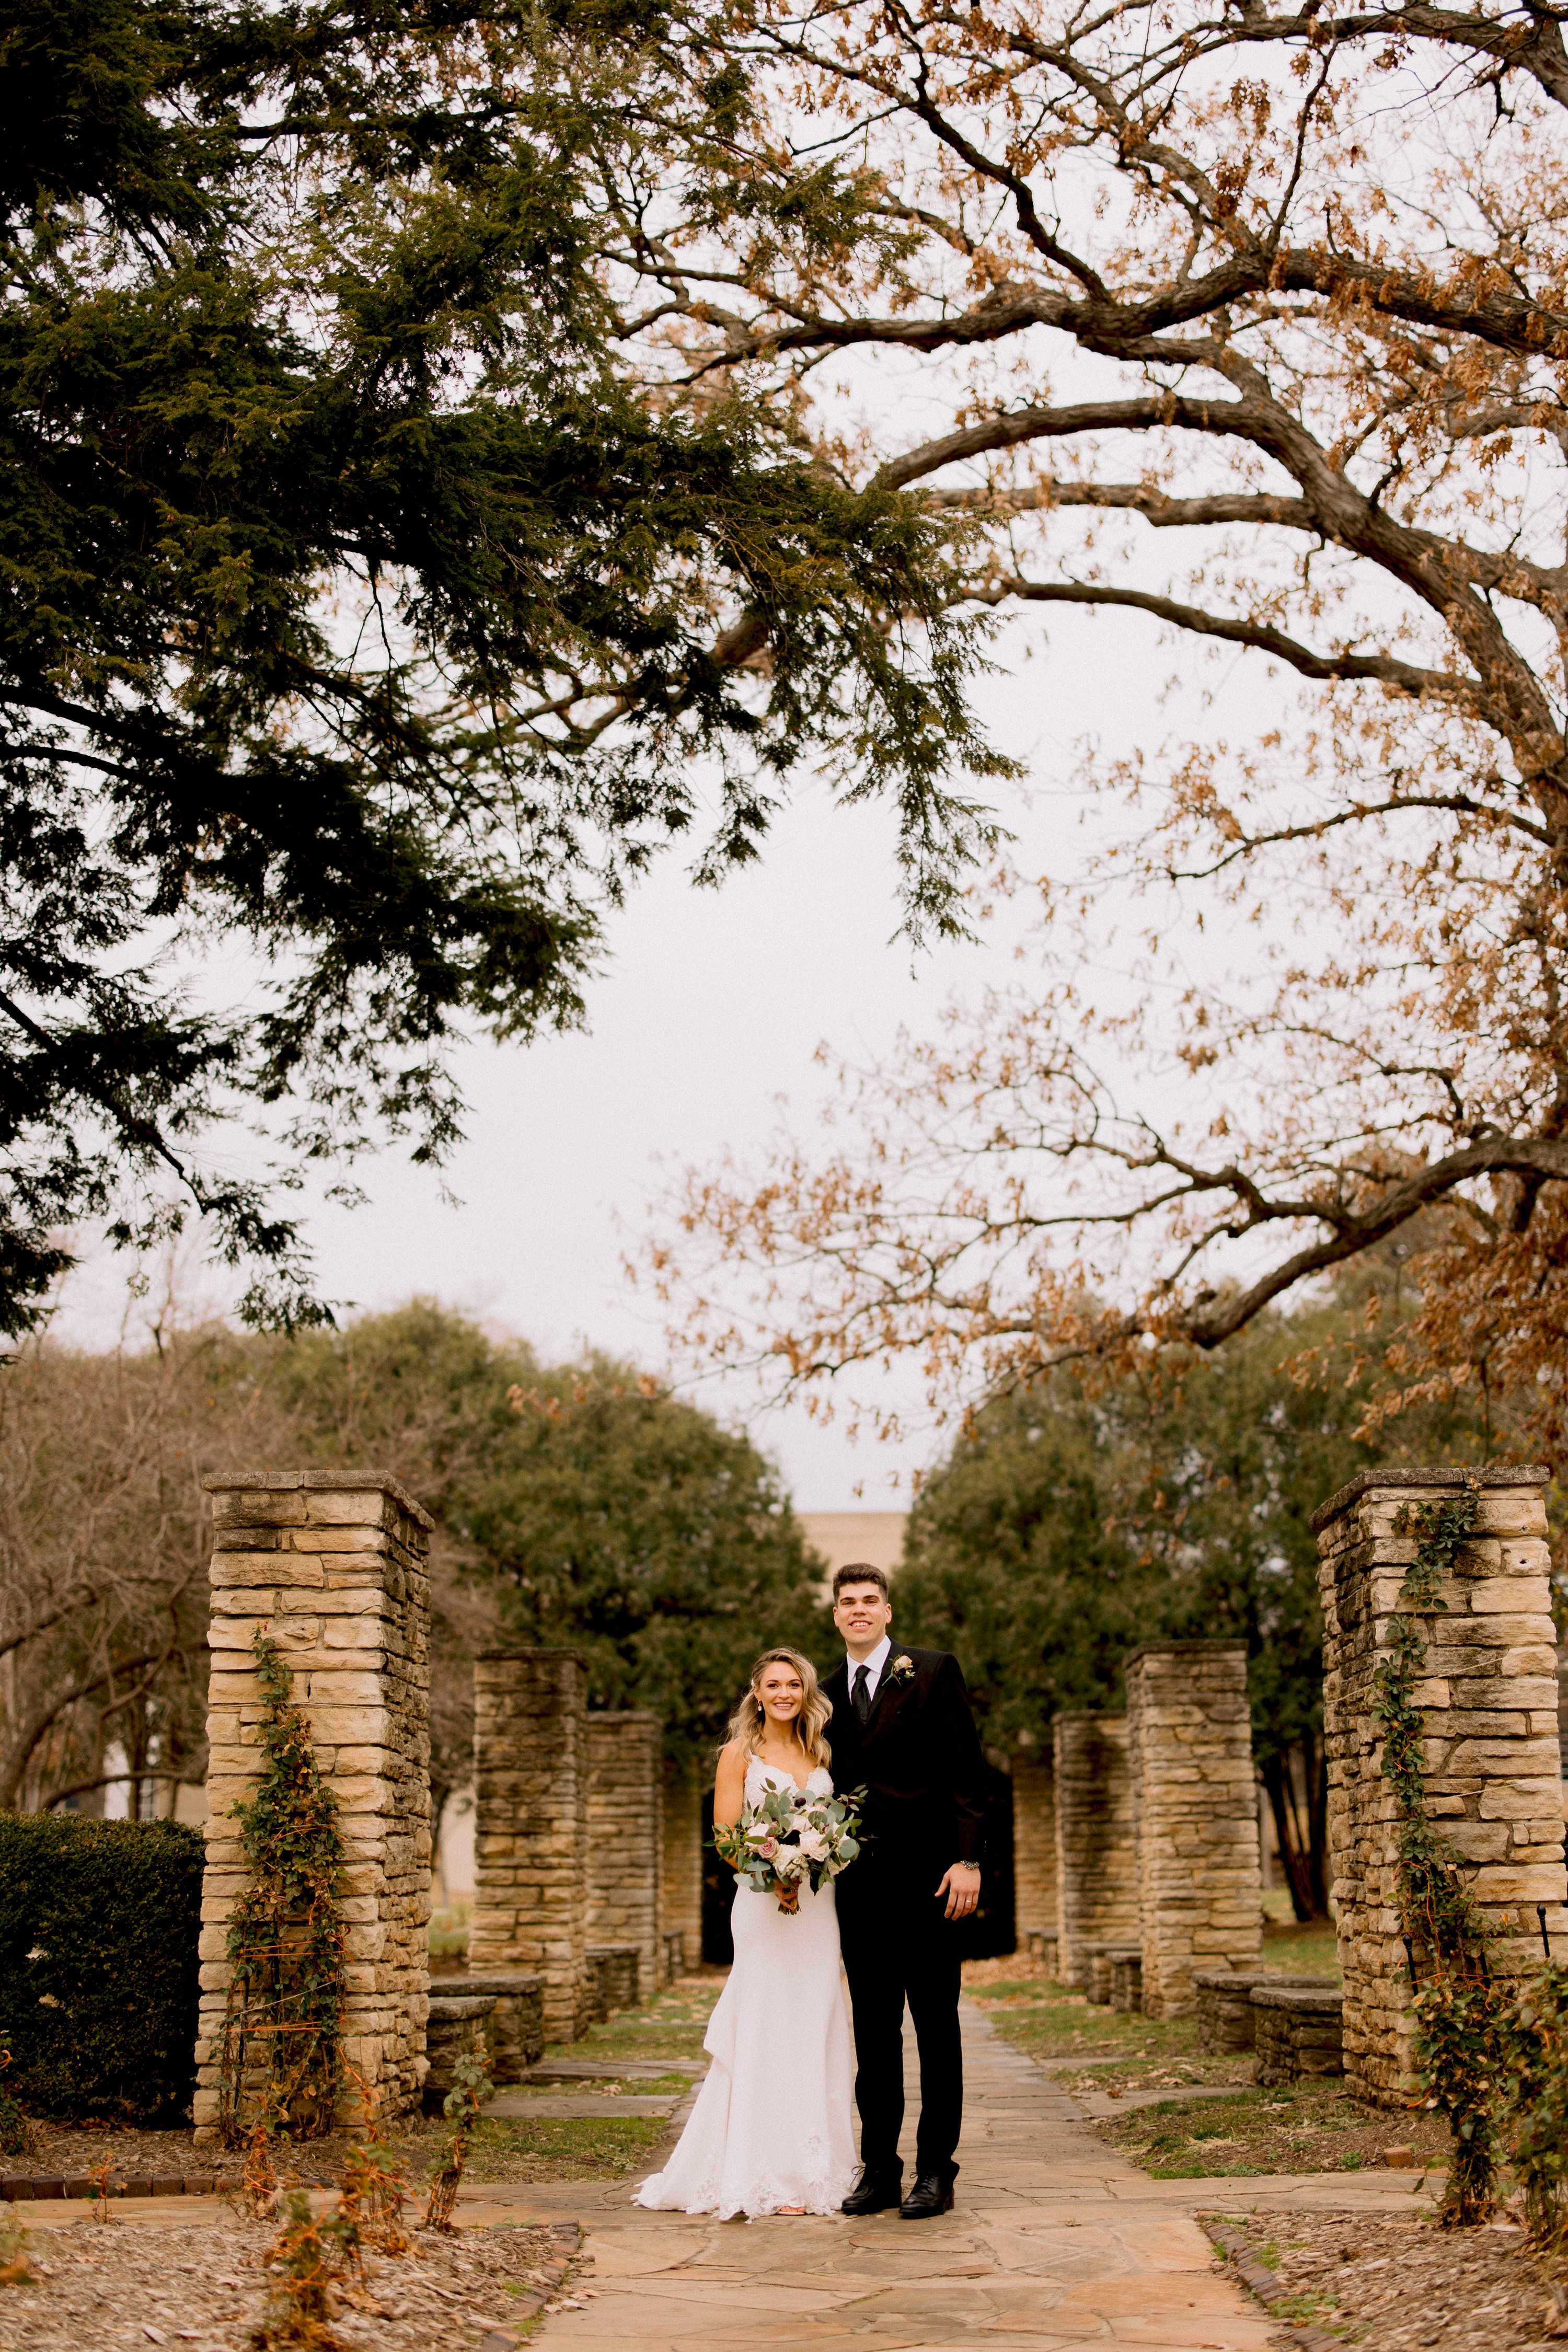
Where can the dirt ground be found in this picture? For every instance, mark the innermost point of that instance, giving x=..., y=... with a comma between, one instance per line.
x=509, y=2148
x=1299, y=2127
x=131, y=2284
x=1404, y=2284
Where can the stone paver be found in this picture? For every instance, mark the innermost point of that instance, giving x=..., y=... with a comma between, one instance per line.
x=1057, y=2240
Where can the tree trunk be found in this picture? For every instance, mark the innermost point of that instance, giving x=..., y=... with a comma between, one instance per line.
x=1295, y=1850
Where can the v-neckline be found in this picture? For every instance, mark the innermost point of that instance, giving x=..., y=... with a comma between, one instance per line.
x=801, y=1790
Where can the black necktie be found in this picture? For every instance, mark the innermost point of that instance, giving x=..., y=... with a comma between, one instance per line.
x=860, y=1694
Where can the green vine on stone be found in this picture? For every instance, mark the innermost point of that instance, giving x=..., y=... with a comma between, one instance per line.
x=282, y=2056
x=1535, y=2046
x=1458, y=2009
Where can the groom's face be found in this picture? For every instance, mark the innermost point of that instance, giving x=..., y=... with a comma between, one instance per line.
x=862, y=1613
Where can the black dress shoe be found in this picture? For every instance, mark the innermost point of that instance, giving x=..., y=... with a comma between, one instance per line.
x=870, y=2195
x=931, y=2195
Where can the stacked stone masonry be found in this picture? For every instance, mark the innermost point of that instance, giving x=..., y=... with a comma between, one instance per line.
x=1103, y=1962
x=530, y=1830
x=1297, y=2033
x=681, y=1883
x=1035, y=1892
x=334, y=1567
x=1226, y=2019
x=460, y=2027
x=1096, y=1857
x=616, y=1972
x=1127, y=1984
x=1489, y=1700
x=1195, y=1803
x=625, y=1838
x=514, y=2030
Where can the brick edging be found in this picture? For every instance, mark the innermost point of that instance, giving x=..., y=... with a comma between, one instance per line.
x=17, y=2187
x=1256, y=2276
x=569, y=2236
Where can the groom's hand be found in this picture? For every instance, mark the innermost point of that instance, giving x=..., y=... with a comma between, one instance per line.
x=960, y=1884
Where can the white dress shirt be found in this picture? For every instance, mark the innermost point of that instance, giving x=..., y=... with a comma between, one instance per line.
x=876, y=1666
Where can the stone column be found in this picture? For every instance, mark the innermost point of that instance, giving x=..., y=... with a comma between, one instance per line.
x=531, y=1829
x=333, y=1567
x=626, y=1837
x=1493, y=1782
x=682, y=1891
x=1096, y=1862
x=1195, y=1803
x=1035, y=1882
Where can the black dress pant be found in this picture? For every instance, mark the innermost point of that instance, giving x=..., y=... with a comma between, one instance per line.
x=898, y=1946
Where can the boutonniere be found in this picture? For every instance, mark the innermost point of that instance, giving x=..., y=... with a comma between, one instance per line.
x=901, y=1670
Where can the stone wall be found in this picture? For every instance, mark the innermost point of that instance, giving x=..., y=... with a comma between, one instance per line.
x=1035, y=1878
x=681, y=1895
x=1195, y=1803
x=333, y=1567
x=530, y=1833
x=625, y=1838
x=1096, y=1860
x=1493, y=1782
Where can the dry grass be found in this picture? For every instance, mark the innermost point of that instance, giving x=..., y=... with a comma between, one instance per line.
x=1399, y=2284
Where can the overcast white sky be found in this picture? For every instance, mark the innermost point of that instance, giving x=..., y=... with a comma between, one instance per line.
x=712, y=1010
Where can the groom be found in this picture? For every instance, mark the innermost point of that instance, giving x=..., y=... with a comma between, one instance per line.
x=901, y=1725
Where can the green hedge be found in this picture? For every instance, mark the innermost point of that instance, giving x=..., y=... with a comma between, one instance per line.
x=98, y=1969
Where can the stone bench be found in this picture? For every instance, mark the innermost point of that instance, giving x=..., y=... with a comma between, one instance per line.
x=454, y=2029
x=615, y=1972
x=1226, y=2018
x=1044, y=1945
x=514, y=2029
x=1102, y=1960
x=1299, y=2034
x=1126, y=1982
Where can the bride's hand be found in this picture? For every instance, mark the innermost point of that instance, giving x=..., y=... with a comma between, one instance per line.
x=960, y=1884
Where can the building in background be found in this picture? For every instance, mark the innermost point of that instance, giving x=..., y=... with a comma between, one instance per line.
x=875, y=1536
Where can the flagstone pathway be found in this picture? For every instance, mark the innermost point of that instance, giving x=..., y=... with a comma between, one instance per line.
x=1055, y=2241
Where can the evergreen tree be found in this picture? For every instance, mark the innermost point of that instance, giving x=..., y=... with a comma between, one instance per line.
x=377, y=597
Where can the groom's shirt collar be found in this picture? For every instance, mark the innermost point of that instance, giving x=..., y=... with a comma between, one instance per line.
x=876, y=1661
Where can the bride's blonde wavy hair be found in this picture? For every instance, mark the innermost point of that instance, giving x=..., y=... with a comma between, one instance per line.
x=748, y=1722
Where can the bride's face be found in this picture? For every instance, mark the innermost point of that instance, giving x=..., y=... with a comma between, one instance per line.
x=779, y=1694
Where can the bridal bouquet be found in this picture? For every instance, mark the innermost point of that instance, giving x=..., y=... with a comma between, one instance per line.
x=789, y=1838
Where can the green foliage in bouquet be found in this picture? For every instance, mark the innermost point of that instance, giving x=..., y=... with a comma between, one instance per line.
x=787, y=1839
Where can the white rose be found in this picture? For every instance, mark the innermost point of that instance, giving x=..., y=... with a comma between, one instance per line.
x=812, y=1844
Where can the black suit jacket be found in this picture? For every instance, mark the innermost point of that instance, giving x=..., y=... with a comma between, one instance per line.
x=919, y=1757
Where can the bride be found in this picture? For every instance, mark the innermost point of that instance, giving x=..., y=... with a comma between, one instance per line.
x=771, y=2131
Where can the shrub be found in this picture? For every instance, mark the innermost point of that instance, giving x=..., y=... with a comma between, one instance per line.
x=98, y=1969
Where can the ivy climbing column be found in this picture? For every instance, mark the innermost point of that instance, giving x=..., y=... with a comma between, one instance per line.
x=333, y=1568
x=1096, y=1858
x=530, y=1827
x=1440, y=1725
x=1194, y=1801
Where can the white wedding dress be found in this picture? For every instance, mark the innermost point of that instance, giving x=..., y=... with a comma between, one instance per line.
x=772, y=2124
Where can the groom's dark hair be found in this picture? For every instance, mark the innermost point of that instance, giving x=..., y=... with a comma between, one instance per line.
x=860, y=1571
